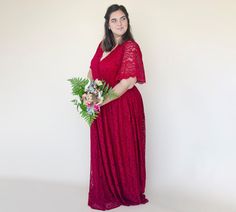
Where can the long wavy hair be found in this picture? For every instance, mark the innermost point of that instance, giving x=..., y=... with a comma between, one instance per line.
x=108, y=42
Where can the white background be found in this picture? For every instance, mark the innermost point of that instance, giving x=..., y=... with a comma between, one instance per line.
x=189, y=52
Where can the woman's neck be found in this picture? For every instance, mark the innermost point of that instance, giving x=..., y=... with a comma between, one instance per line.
x=118, y=40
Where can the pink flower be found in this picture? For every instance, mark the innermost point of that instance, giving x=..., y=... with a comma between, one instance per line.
x=96, y=107
x=87, y=103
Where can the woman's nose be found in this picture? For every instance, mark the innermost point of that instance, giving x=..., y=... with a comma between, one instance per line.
x=119, y=22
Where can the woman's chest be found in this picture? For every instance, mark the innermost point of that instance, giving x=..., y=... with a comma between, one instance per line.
x=110, y=64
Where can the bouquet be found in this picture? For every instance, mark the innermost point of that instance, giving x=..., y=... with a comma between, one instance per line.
x=89, y=95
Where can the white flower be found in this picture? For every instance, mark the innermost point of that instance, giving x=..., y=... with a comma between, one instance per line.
x=98, y=82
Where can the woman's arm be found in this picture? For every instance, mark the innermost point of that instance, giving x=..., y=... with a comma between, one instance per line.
x=120, y=88
x=89, y=75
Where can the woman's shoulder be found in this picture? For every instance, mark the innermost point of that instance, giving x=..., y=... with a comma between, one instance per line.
x=131, y=45
x=100, y=44
x=99, y=47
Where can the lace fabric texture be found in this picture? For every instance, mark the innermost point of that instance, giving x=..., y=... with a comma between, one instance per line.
x=132, y=64
x=117, y=163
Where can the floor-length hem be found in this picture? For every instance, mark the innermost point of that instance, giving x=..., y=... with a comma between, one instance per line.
x=118, y=205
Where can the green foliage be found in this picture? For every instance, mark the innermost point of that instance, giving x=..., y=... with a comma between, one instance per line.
x=78, y=85
x=108, y=91
x=87, y=117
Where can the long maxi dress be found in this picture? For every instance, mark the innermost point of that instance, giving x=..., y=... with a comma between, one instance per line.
x=117, y=160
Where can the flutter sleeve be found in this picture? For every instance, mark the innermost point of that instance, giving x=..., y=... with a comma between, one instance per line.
x=132, y=63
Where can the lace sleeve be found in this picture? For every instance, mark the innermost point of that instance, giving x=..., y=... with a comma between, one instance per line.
x=132, y=64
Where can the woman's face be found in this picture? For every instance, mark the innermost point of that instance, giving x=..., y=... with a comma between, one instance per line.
x=118, y=23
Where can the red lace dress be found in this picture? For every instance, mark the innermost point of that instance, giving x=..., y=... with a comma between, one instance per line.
x=117, y=169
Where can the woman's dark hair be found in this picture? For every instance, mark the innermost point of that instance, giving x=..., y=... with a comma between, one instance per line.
x=108, y=42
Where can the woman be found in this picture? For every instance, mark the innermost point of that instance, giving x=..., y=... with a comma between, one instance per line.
x=117, y=169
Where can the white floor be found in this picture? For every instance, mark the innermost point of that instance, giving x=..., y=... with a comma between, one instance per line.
x=36, y=196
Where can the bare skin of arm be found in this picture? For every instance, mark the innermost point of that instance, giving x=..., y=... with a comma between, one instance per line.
x=120, y=88
x=89, y=75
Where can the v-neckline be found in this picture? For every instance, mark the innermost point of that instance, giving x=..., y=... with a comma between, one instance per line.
x=101, y=59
